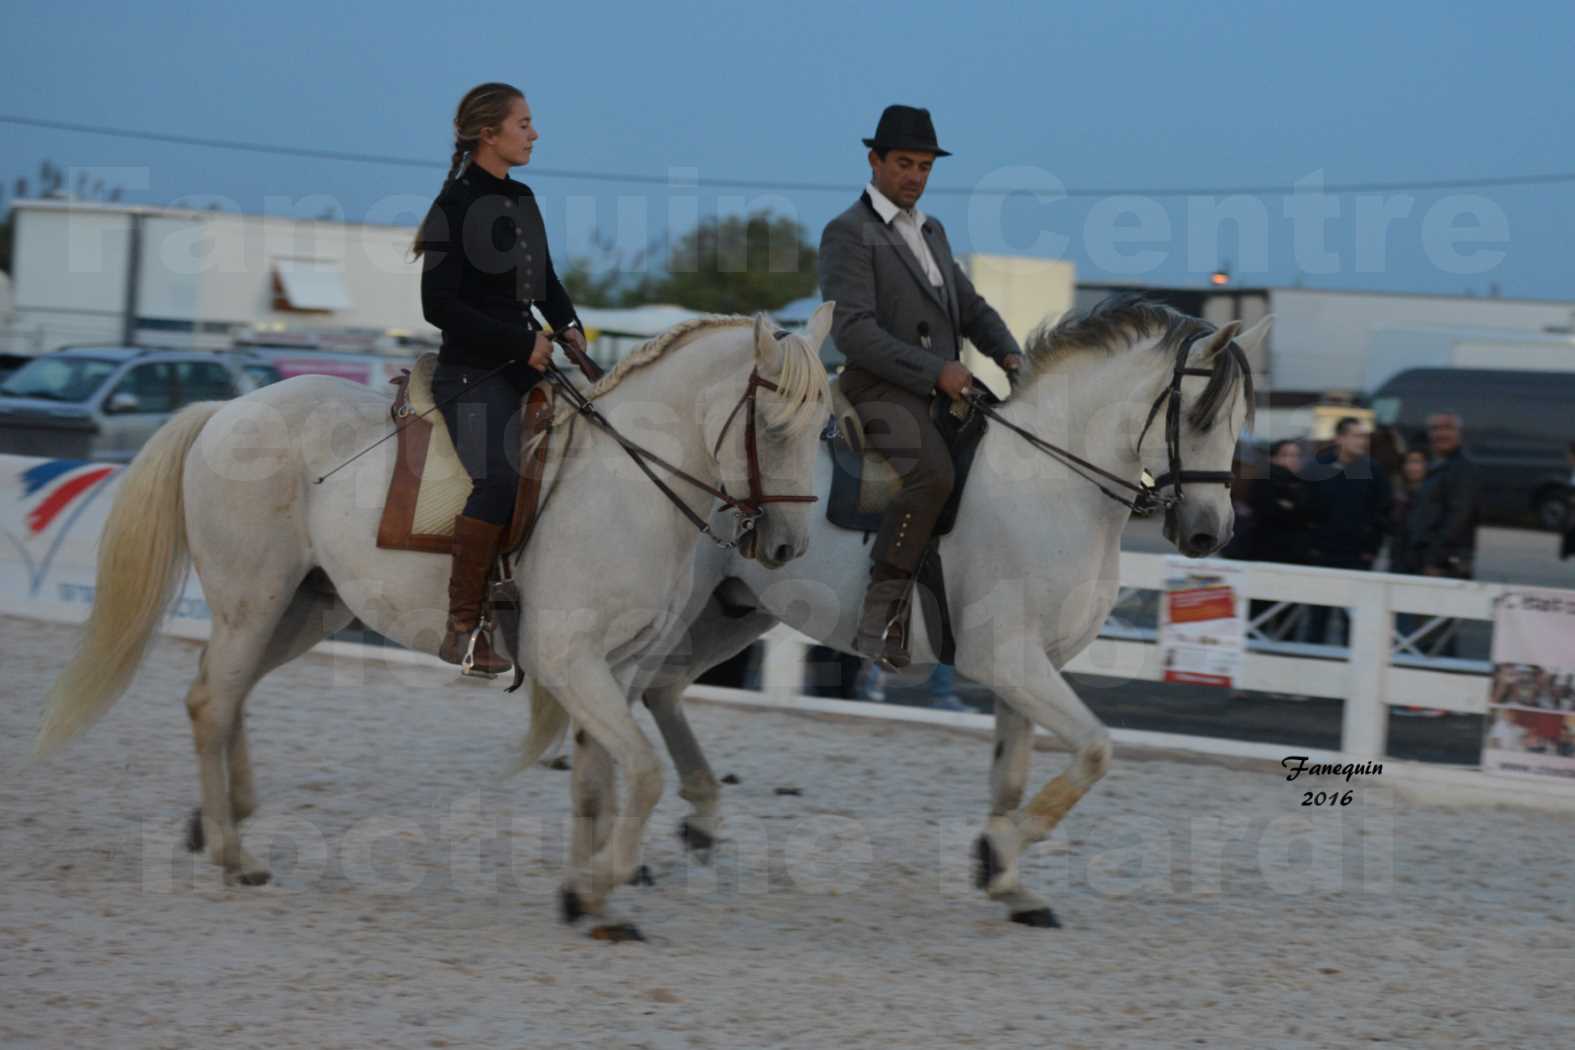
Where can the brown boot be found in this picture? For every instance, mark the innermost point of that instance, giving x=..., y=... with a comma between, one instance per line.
x=475, y=545
x=882, y=631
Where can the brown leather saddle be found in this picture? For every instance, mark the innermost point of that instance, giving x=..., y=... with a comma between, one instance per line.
x=429, y=486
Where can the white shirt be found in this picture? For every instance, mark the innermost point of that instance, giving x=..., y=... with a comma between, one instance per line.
x=908, y=222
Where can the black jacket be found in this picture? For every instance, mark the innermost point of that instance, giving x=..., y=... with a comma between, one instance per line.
x=1441, y=530
x=1350, y=510
x=1280, y=508
x=485, y=262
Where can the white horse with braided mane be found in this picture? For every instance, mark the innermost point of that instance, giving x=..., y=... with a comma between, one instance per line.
x=1032, y=563
x=284, y=561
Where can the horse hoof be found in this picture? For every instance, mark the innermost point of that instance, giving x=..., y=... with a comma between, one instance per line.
x=617, y=933
x=642, y=876
x=573, y=908
x=696, y=840
x=253, y=878
x=987, y=863
x=1043, y=918
x=196, y=840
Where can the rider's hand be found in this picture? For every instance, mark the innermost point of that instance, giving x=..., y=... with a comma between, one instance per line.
x=575, y=338
x=541, y=353
x=954, y=379
x=1012, y=362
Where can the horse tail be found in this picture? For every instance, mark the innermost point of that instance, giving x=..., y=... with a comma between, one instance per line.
x=141, y=563
x=549, y=724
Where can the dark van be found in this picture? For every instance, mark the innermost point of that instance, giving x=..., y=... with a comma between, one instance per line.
x=1518, y=426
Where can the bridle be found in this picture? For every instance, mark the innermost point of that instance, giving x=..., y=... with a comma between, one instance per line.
x=1171, y=398
x=1146, y=495
x=749, y=510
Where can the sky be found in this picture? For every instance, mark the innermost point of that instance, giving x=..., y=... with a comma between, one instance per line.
x=1280, y=98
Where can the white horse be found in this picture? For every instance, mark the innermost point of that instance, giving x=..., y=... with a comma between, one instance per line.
x=284, y=562
x=1032, y=563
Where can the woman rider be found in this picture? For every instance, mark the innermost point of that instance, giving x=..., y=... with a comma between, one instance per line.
x=484, y=249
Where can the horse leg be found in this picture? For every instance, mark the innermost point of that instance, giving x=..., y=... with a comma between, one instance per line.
x=593, y=792
x=697, y=784
x=213, y=704
x=714, y=637
x=598, y=705
x=1048, y=701
x=315, y=612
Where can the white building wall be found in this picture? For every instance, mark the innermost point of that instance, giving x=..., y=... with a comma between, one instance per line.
x=205, y=269
x=1321, y=339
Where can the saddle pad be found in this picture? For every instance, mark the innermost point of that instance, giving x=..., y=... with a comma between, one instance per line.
x=863, y=482
x=429, y=486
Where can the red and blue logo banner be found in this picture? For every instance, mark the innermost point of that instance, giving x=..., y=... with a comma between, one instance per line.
x=54, y=493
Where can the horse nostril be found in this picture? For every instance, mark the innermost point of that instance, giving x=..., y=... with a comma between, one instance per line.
x=784, y=552
x=1203, y=541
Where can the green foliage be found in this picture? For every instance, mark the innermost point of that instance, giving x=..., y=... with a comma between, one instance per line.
x=738, y=265
x=732, y=265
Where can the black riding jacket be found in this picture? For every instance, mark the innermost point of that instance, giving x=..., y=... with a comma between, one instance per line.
x=485, y=262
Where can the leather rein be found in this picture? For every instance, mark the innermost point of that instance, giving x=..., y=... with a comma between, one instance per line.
x=748, y=510
x=1146, y=495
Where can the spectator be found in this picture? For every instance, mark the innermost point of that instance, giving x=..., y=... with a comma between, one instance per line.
x=1442, y=524
x=1413, y=471
x=1280, y=506
x=1350, y=513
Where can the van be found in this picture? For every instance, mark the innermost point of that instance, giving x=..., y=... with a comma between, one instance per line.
x=1518, y=426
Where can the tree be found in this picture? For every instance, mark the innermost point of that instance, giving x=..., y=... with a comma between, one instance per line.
x=737, y=265
x=724, y=265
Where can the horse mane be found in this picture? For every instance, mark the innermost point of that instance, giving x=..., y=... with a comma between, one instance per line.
x=802, y=387
x=1117, y=324
x=656, y=348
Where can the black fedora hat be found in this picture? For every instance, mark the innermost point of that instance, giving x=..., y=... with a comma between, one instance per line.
x=906, y=127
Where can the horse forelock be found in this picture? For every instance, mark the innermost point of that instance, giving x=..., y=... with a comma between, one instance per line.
x=803, y=395
x=1230, y=364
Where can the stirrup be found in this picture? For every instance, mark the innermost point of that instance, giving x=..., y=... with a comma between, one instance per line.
x=467, y=663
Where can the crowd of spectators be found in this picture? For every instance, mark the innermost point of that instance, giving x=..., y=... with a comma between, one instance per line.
x=1408, y=511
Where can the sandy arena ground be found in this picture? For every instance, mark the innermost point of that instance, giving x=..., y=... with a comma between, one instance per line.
x=414, y=894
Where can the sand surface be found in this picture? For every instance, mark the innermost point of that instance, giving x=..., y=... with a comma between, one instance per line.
x=414, y=895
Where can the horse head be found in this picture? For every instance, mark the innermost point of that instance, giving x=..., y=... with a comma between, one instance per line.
x=1203, y=401
x=767, y=458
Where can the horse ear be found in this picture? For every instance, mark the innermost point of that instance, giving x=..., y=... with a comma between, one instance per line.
x=1253, y=337
x=1221, y=339
x=819, y=325
x=765, y=339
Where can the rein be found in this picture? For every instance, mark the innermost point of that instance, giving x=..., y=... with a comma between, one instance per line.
x=1146, y=496
x=748, y=511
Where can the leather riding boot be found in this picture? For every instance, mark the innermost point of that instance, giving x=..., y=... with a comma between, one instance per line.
x=475, y=545
x=882, y=636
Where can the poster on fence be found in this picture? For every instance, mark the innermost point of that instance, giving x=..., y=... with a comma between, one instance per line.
x=1531, y=708
x=1201, y=622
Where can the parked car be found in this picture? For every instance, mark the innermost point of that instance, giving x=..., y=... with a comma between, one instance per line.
x=103, y=402
x=10, y=363
x=1518, y=426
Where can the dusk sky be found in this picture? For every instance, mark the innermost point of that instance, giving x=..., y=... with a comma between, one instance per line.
x=1094, y=97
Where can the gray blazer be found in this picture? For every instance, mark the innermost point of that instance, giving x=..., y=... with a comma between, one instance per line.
x=883, y=297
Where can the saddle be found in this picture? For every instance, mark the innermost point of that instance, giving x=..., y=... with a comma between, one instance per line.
x=863, y=484
x=430, y=486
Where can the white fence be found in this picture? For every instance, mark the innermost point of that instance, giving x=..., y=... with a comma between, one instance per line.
x=51, y=515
